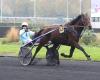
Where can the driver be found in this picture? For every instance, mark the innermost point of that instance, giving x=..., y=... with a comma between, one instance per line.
x=25, y=33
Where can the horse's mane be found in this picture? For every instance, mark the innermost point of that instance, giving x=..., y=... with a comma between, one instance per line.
x=74, y=20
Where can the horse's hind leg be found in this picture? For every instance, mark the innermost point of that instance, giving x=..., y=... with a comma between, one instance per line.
x=80, y=48
x=71, y=53
x=57, y=46
x=37, y=50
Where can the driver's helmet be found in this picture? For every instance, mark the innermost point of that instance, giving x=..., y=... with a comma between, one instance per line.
x=24, y=24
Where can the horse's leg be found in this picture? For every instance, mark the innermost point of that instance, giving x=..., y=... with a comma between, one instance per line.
x=43, y=41
x=71, y=53
x=57, y=46
x=81, y=48
x=36, y=51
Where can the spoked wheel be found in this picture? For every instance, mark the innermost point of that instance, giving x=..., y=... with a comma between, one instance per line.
x=25, y=55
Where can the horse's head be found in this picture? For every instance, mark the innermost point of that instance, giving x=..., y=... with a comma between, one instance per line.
x=81, y=20
x=85, y=21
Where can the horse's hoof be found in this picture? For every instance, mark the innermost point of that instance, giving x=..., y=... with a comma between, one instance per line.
x=50, y=64
x=62, y=54
x=57, y=64
x=89, y=59
x=66, y=56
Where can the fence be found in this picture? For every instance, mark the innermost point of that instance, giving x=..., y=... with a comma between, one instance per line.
x=41, y=11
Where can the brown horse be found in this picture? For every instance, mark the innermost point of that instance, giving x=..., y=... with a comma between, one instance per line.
x=69, y=37
x=81, y=21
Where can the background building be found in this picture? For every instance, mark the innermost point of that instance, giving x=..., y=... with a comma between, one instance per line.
x=95, y=14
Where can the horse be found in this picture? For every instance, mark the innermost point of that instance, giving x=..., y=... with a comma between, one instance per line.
x=70, y=36
x=85, y=22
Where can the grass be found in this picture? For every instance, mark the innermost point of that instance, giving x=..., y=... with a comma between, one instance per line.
x=12, y=49
x=9, y=49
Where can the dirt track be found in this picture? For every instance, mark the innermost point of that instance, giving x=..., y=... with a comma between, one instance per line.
x=11, y=69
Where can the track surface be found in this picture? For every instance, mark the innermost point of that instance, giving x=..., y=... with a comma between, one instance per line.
x=11, y=69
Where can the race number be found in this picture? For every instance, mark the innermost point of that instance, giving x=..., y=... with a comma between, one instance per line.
x=61, y=29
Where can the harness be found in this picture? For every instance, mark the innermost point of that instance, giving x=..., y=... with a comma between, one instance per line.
x=73, y=29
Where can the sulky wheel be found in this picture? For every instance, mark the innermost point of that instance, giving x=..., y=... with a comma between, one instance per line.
x=25, y=56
